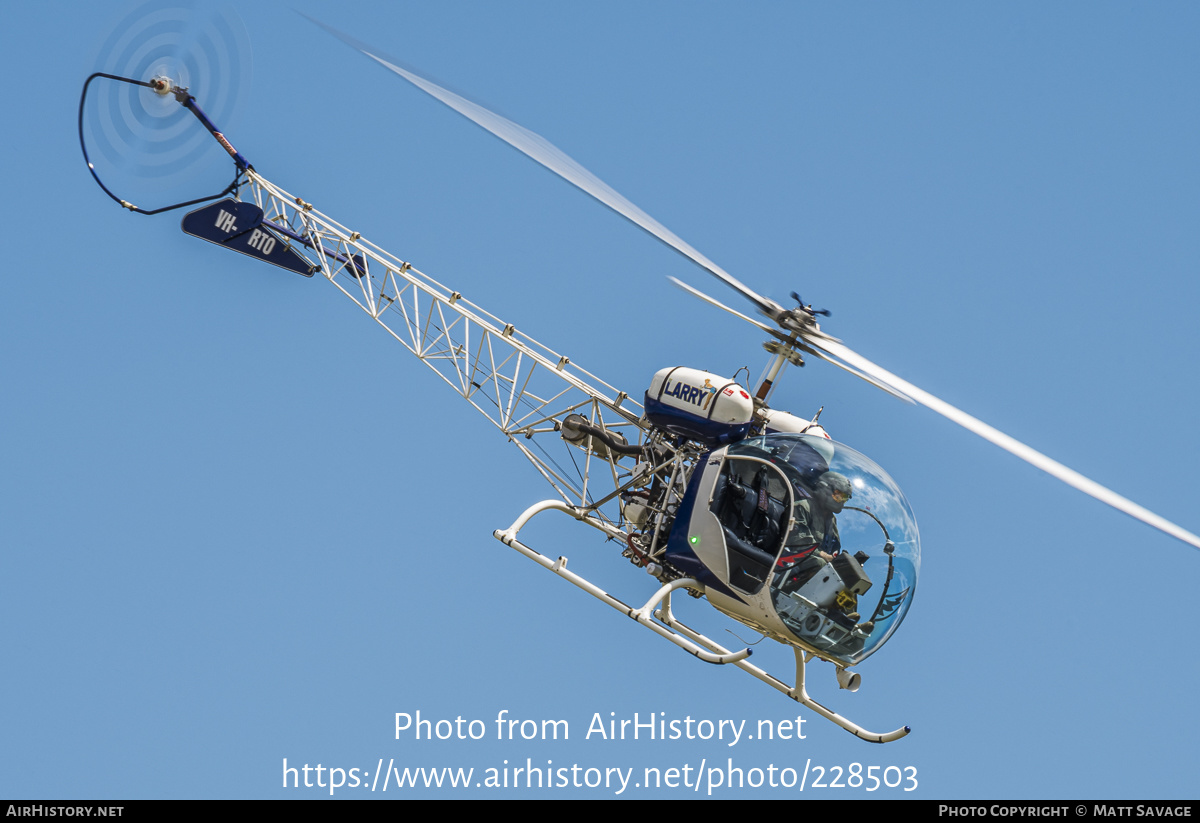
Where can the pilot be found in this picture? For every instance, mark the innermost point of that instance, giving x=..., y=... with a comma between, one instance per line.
x=813, y=540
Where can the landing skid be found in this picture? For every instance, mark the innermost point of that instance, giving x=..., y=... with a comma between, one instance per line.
x=656, y=615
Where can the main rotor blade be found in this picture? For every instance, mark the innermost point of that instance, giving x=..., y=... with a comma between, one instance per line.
x=1004, y=441
x=547, y=154
x=714, y=302
x=790, y=340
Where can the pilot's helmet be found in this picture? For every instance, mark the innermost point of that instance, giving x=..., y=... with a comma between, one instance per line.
x=833, y=490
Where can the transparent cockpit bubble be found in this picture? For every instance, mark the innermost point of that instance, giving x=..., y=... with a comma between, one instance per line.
x=848, y=569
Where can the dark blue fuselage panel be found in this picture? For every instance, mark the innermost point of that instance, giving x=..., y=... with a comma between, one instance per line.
x=239, y=226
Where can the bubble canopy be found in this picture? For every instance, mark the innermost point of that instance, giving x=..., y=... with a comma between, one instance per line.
x=848, y=566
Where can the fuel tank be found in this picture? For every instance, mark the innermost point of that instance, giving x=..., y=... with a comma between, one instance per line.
x=699, y=405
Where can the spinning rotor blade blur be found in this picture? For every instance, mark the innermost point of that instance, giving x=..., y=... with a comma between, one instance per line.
x=798, y=321
x=547, y=154
x=835, y=349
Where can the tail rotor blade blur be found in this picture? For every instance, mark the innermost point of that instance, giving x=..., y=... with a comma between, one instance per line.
x=791, y=340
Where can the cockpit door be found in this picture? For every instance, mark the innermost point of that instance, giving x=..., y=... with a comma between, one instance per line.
x=753, y=502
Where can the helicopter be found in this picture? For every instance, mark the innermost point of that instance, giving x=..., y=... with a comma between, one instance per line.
x=703, y=484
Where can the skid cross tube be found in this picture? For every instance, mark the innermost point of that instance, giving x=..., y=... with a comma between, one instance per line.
x=642, y=615
x=524, y=388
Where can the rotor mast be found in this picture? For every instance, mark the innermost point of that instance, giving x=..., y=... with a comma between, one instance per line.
x=782, y=353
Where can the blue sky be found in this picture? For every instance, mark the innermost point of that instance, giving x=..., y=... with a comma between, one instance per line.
x=242, y=525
